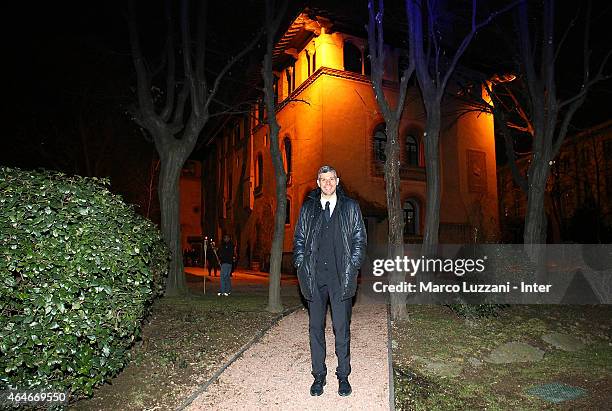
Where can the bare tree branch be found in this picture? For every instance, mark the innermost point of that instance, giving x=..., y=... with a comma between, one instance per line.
x=143, y=86
x=564, y=37
x=200, y=76
x=229, y=65
x=502, y=124
x=187, y=65
x=525, y=49
x=170, y=58
x=179, y=111
x=468, y=39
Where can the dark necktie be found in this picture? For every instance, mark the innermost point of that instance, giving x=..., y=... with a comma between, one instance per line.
x=327, y=211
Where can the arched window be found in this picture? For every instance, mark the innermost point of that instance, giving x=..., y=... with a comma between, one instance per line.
x=259, y=173
x=410, y=217
x=290, y=78
x=380, y=143
x=412, y=150
x=287, y=155
x=352, y=58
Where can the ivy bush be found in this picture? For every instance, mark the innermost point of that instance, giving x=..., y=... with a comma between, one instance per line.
x=79, y=270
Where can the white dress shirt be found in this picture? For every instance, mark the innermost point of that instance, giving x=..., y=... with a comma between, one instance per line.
x=332, y=203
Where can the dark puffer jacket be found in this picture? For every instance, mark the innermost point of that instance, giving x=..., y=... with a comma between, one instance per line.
x=354, y=241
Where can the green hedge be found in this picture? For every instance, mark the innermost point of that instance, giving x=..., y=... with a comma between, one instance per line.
x=78, y=271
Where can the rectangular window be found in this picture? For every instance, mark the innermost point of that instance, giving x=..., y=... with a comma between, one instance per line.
x=290, y=78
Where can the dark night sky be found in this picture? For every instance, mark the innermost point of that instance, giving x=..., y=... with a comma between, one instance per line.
x=58, y=51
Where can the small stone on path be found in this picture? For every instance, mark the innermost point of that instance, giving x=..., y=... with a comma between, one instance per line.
x=513, y=351
x=563, y=342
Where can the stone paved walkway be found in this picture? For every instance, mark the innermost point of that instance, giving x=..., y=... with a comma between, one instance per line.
x=274, y=374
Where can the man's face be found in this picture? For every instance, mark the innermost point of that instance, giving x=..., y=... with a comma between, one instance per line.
x=328, y=183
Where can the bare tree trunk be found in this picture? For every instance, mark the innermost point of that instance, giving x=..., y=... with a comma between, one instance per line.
x=432, y=169
x=171, y=165
x=550, y=124
x=535, y=217
x=427, y=52
x=396, y=217
x=176, y=122
x=276, y=253
x=395, y=245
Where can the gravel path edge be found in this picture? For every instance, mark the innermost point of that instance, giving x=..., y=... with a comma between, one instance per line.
x=203, y=387
x=390, y=360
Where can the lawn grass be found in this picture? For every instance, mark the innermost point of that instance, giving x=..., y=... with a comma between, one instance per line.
x=435, y=333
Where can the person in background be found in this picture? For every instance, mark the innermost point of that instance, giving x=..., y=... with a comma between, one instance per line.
x=211, y=257
x=227, y=256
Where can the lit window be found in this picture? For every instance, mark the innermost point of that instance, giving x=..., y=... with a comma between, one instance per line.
x=290, y=78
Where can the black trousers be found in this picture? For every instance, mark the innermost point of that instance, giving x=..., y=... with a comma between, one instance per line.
x=341, y=322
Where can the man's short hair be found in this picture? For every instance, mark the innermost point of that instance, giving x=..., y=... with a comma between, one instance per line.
x=327, y=169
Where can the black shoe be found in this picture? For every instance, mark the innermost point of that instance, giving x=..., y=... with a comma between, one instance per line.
x=316, y=388
x=344, y=388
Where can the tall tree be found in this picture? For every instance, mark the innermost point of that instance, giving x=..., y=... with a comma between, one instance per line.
x=176, y=119
x=433, y=71
x=550, y=116
x=392, y=118
x=273, y=18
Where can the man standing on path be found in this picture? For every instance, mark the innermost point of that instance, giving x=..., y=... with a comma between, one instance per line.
x=226, y=255
x=328, y=249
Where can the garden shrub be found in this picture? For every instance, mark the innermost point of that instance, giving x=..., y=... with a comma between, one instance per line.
x=79, y=270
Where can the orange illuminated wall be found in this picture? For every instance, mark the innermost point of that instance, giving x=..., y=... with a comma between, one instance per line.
x=190, y=201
